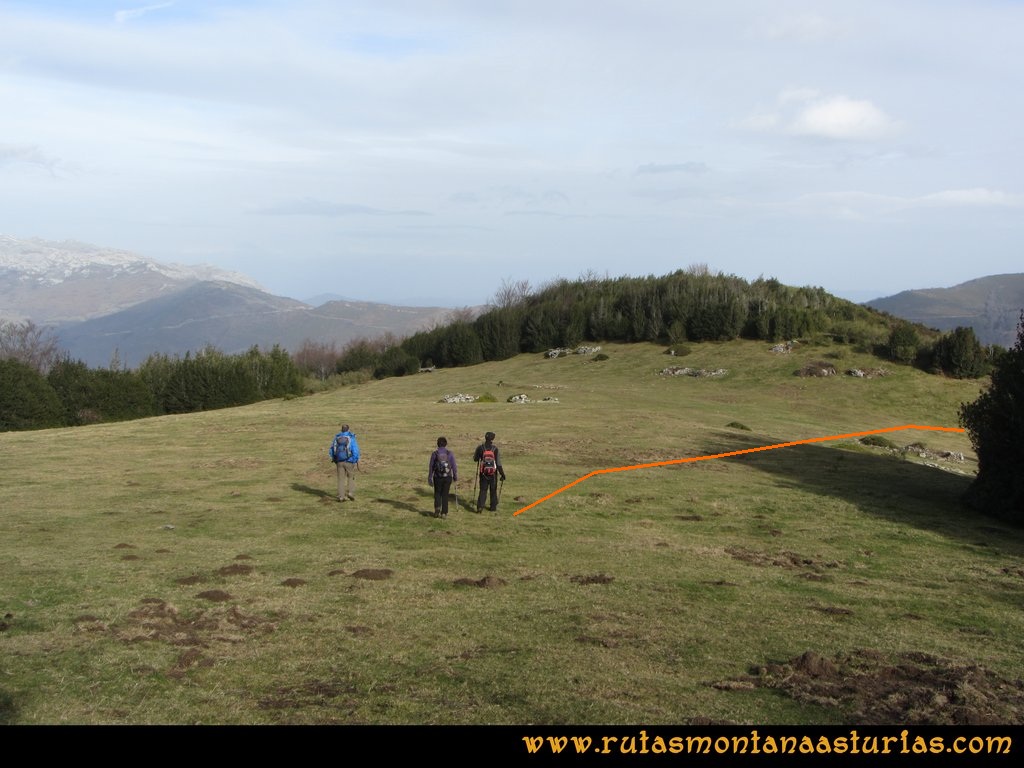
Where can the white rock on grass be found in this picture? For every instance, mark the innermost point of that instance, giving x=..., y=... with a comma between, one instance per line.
x=458, y=397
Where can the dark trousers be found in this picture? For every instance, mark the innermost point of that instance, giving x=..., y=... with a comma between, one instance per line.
x=488, y=482
x=441, y=488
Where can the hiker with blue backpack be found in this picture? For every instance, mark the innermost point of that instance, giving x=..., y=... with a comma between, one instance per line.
x=441, y=473
x=344, y=452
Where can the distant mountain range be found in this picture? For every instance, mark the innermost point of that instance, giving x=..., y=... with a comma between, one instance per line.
x=102, y=300
x=990, y=305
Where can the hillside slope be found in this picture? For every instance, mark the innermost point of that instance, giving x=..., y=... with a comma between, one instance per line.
x=198, y=568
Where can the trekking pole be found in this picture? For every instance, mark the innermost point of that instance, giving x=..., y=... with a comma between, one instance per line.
x=501, y=484
x=476, y=477
x=456, y=487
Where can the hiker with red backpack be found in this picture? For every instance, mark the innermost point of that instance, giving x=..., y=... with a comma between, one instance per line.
x=441, y=473
x=489, y=469
x=344, y=452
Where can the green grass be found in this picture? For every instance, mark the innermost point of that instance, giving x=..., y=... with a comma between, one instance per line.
x=699, y=572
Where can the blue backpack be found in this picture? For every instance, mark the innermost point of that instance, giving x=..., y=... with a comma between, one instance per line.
x=341, y=448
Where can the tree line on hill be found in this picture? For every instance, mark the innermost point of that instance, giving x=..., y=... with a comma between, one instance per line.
x=41, y=389
x=687, y=306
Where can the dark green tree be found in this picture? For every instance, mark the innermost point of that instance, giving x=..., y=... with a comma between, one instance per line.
x=995, y=423
x=960, y=354
x=903, y=343
x=27, y=401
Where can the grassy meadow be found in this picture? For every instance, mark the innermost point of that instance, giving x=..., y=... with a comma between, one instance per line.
x=199, y=569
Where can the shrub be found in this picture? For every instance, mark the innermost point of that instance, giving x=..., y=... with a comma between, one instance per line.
x=995, y=424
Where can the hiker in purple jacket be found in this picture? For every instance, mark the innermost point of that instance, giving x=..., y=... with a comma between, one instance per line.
x=441, y=473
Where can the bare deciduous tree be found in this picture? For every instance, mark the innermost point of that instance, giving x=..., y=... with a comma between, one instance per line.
x=511, y=293
x=29, y=343
x=317, y=358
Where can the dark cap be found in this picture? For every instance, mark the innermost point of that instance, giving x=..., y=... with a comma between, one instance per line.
x=489, y=436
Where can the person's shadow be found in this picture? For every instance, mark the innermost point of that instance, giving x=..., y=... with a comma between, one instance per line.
x=318, y=492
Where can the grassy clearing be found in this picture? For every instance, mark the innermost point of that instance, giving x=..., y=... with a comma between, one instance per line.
x=198, y=569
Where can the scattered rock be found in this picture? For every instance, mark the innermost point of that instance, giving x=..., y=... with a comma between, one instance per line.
x=817, y=369
x=522, y=397
x=698, y=373
x=458, y=397
x=551, y=354
x=190, y=580
x=785, y=348
x=867, y=373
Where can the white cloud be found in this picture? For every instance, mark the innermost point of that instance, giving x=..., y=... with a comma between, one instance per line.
x=26, y=154
x=807, y=112
x=133, y=13
x=979, y=196
x=839, y=117
x=852, y=204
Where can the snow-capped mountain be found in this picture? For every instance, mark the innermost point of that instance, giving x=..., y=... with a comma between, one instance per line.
x=50, y=282
x=50, y=263
x=106, y=303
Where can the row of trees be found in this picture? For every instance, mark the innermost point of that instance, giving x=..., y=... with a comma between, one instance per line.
x=69, y=393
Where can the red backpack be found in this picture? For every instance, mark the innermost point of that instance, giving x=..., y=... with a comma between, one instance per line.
x=488, y=465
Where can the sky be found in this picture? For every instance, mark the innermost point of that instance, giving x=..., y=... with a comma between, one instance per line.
x=425, y=151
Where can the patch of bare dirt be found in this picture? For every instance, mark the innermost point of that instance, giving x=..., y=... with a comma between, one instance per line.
x=215, y=595
x=358, y=630
x=720, y=583
x=373, y=574
x=833, y=610
x=293, y=583
x=236, y=569
x=193, y=657
x=788, y=560
x=597, y=578
x=871, y=688
x=243, y=557
x=602, y=642
x=690, y=518
x=156, y=620
x=190, y=580
x=314, y=693
x=336, y=572
x=487, y=582
x=122, y=545
x=130, y=557
x=162, y=551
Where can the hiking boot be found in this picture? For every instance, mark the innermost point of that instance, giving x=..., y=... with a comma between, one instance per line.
x=351, y=497
x=479, y=510
x=341, y=498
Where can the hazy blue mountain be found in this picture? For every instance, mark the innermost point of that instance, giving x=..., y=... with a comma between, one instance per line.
x=990, y=305
x=232, y=318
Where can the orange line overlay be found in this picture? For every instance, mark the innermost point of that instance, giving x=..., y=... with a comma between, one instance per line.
x=733, y=453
